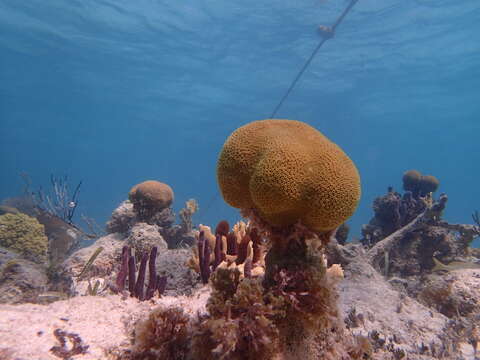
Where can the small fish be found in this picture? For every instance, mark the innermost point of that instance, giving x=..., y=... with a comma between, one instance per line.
x=454, y=265
x=51, y=296
x=90, y=261
x=5, y=209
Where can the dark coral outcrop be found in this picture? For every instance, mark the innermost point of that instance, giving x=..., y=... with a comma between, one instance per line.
x=418, y=184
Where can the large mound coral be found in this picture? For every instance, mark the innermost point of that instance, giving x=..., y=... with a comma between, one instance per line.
x=296, y=187
x=288, y=171
x=24, y=235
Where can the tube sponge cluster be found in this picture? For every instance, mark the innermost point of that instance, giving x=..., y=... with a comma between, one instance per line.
x=242, y=247
x=288, y=171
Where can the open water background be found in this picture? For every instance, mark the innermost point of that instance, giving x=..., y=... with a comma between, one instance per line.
x=114, y=92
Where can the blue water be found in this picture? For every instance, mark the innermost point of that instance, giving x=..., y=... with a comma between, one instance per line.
x=114, y=92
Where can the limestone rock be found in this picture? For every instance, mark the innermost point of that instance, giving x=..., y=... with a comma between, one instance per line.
x=181, y=280
x=400, y=323
x=122, y=219
x=102, y=323
x=20, y=280
x=105, y=265
x=143, y=237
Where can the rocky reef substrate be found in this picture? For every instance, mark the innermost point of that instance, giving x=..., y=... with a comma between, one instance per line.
x=397, y=325
x=394, y=301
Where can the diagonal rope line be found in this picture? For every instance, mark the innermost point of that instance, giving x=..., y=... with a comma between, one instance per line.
x=327, y=33
x=326, y=36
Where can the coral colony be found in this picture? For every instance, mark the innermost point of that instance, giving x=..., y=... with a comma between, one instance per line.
x=272, y=292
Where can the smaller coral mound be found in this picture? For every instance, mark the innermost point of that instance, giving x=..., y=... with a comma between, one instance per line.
x=418, y=184
x=24, y=235
x=149, y=204
x=428, y=184
x=150, y=197
x=411, y=179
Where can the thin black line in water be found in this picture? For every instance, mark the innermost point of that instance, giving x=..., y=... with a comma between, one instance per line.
x=328, y=33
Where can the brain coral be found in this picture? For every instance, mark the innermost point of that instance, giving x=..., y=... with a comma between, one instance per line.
x=288, y=171
x=25, y=235
x=151, y=194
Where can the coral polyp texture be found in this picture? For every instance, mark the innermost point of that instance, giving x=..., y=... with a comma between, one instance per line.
x=150, y=197
x=288, y=172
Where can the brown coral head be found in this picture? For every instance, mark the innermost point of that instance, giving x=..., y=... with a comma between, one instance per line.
x=411, y=180
x=419, y=184
x=222, y=228
x=289, y=172
x=150, y=197
x=428, y=184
